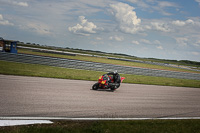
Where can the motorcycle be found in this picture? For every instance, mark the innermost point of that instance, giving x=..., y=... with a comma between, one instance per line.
x=107, y=82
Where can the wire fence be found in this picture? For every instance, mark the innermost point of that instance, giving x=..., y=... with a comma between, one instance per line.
x=86, y=65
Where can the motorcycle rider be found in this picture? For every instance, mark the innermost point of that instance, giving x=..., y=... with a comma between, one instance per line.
x=116, y=78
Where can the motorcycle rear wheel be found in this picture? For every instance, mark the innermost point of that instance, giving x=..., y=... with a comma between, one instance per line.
x=112, y=88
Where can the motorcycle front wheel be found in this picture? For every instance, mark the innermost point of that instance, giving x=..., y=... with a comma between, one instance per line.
x=95, y=86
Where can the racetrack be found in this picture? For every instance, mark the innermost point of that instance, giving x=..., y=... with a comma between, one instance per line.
x=47, y=97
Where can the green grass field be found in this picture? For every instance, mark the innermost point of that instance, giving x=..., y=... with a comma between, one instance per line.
x=137, y=126
x=13, y=68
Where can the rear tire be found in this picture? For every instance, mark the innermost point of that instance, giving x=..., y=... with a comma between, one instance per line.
x=115, y=86
x=118, y=86
x=112, y=88
x=95, y=86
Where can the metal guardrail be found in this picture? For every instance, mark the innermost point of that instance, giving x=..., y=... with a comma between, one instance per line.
x=86, y=65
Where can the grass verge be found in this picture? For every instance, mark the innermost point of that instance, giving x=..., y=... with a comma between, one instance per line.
x=13, y=68
x=137, y=126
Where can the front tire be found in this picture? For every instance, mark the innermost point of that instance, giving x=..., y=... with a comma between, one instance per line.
x=112, y=88
x=95, y=86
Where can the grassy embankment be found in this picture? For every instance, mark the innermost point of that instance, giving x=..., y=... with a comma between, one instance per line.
x=13, y=68
x=104, y=60
x=117, y=55
x=146, y=126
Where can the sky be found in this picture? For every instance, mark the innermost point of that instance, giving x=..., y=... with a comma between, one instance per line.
x=164, y=29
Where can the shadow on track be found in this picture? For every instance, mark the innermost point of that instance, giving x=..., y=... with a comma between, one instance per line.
x=104, y=90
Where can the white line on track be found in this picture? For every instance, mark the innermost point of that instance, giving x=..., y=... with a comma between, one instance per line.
x=66, y=118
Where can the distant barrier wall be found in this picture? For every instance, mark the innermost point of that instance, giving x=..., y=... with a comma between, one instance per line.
x=86, y=65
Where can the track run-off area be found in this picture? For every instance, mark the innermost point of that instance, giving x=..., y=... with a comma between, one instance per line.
x=22, y=96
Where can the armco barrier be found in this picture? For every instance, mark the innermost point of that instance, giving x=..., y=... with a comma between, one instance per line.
x=86, y=65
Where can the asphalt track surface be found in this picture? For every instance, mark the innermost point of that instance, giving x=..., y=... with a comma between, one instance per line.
x=47, y=97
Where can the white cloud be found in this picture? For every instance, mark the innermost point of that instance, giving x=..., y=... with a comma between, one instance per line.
x=178, y=23
x=164, y=4
x=198, y=1
x=156, y=42
x=145, y=41
x=135, y=42
x=182, y=23
x=133, y=1
x=39, y=28
x=127, y=19
x=159, y=47
x=195, y=53
x=117, y=38
x=197, y=43
x=14, y=2
x=182, y=41
x=36, y=27
x=188, y=27
x=99, y=38
x=189, y=21
x=4, y=22
x=160, y=26
x=1, y=17
x=155, y=6
x=140, y=3
x=84, y=27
